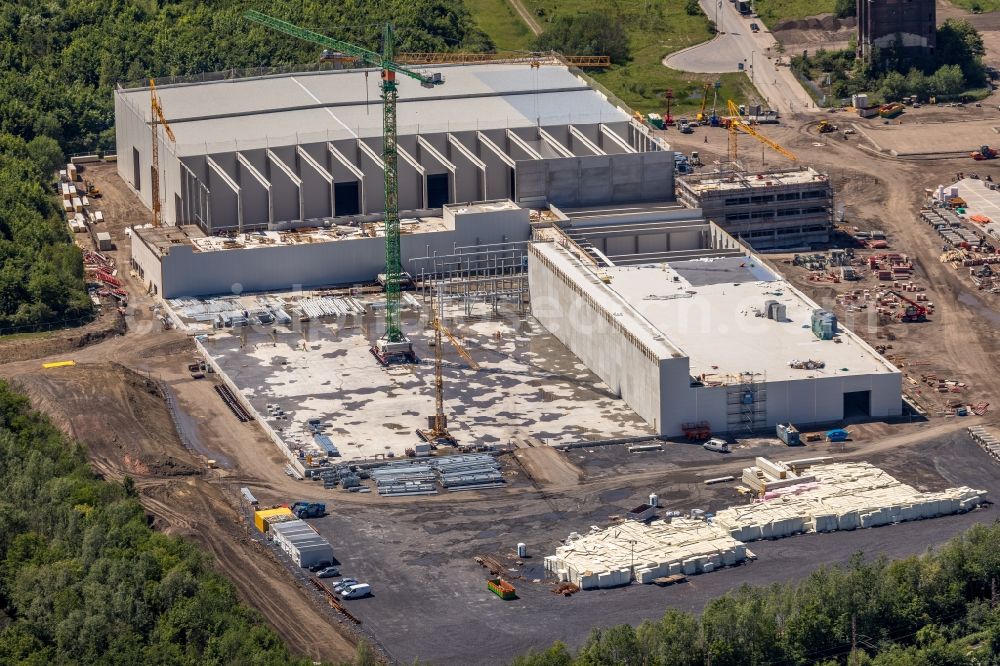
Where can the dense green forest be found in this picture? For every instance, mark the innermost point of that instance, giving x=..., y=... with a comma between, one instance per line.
x=940, y=609
x=84, y=580
x=59, y=62
x=41, y=271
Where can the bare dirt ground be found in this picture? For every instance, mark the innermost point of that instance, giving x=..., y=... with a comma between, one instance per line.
x=823, y=31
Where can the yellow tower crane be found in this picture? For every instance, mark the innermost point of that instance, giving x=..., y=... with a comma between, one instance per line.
x=438, y=432
x=156, y=118
x=737, y=124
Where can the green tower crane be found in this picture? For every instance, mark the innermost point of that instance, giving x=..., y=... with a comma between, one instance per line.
x=393, y=345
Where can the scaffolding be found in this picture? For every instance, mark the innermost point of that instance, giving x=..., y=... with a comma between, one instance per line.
x=495, y=274
x=746, y=403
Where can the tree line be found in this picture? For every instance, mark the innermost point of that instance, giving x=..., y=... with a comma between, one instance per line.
x=938, y=609
x=893, y=72
x=84, y=580
x=59, y=62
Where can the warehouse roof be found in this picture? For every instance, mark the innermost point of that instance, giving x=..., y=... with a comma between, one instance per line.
x=305, y=107
x=709, y=309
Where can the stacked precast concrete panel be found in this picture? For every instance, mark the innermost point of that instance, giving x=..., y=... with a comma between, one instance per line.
x=606, y=558
x=844, y=496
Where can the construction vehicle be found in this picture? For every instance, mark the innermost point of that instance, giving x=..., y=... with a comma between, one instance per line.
x=92, y=190
x=667, y=118
x=713, y=119
x=984, y=153
x=826, y=127
x=717, y=445
x=912, y=311
x=438, y=433
x=393, y=345
x=308, y=509
x=704, y=100
x=738, y=124
x=156, y=118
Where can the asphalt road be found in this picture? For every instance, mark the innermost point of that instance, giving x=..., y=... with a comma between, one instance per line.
x=737, y=44
x=430, y=599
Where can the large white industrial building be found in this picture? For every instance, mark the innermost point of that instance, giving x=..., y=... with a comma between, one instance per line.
x=254, y=152
x=692, y=329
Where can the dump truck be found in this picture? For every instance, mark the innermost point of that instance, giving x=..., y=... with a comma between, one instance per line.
x=308, y=509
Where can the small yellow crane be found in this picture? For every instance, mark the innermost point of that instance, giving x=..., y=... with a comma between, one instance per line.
x=156, y=118
x=737, y=124
x=438, y=432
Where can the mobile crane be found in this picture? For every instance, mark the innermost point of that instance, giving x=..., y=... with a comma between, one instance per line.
x=912, y=311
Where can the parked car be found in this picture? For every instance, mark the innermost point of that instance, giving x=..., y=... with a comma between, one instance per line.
x=329, y=572
x=356, y=591
x=344, y=584
x=754, y=27
x=319, y=566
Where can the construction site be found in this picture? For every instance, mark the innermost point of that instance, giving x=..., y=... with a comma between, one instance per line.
x=503, y=334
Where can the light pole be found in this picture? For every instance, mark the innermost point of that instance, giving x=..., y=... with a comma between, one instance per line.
x=632, y=543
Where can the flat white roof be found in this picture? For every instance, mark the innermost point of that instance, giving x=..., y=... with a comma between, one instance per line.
x=342, y=104
x=737, y=181
x=708, y=308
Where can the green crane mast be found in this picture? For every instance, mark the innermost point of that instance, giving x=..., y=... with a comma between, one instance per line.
x=393, y=345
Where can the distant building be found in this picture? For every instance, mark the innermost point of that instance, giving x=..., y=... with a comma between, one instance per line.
x=882, y=22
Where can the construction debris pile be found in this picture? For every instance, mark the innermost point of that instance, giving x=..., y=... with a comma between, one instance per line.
x=606, y=558
x=100, y=270
x=839, y=496
x=796, y=497
x=454, y=473
x=890, y=303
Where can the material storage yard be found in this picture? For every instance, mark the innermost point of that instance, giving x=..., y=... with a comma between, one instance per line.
x=557, y=459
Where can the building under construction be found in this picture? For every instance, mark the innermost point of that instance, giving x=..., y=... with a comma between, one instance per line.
x=252, y=153
x=782, y=208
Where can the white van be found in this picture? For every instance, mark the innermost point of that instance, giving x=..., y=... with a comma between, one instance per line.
x=356, y=591
x=716, y=444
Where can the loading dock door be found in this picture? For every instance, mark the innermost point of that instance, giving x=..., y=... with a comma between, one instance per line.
x=136, y=180
x=437, y=190
x=347, y=198
x=857, y=404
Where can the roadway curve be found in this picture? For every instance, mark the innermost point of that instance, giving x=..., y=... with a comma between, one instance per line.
x=736, y=44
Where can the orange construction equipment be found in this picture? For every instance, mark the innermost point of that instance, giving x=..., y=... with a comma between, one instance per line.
x=502, y=589
x=984, y=153
x=697, y=430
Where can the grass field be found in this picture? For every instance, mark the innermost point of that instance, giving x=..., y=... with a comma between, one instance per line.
x=656, y=28
x=772, y=12
x=498, y=20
